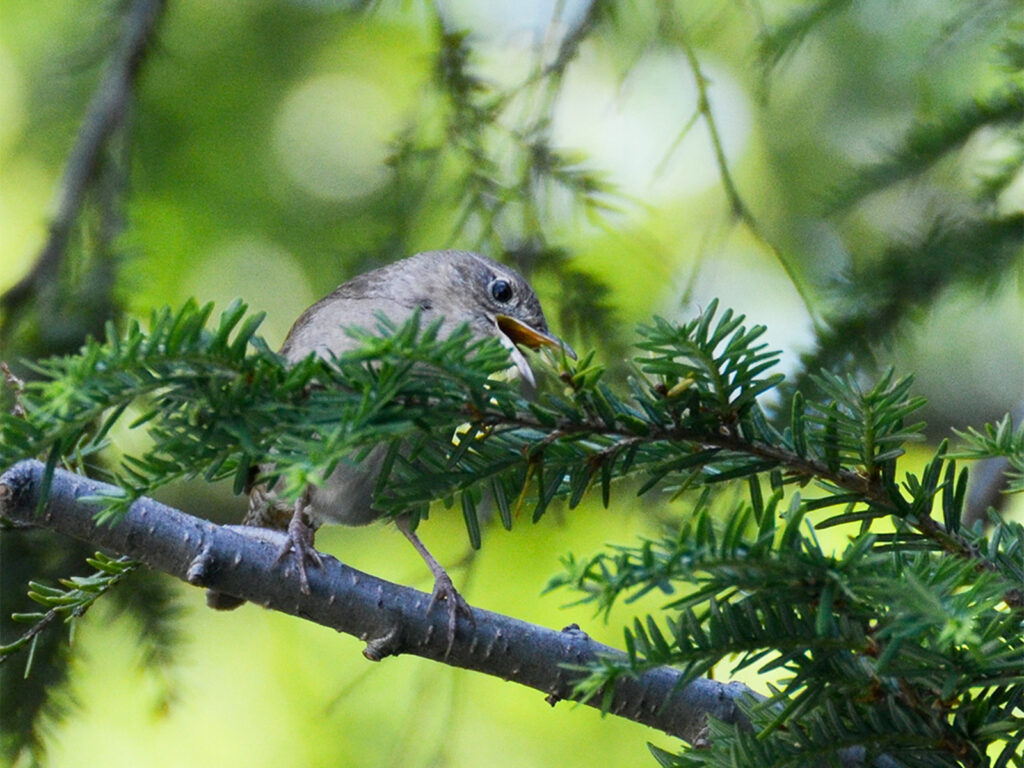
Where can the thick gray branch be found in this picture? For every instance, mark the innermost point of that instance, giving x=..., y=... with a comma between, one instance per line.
x=391, y=618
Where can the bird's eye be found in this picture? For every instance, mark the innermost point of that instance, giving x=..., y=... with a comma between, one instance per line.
x=501, y=290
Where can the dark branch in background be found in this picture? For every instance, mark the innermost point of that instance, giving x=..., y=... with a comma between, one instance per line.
x=977, y=244
x=392, y=619
x=881, y=294
x=105, y=115
x=927, y=143
x=782, y=39
x=569, y=48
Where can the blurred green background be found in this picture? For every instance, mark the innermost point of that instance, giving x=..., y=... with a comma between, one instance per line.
x=276, y=148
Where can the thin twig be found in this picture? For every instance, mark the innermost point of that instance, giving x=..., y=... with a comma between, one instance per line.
x=17, y=387
x=737, y=206
x=7, y=651
x=872, y=489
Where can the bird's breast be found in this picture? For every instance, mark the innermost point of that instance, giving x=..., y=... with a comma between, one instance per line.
x=346, y=497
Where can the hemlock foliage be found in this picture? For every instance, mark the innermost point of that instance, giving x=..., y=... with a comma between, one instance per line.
x=906, y=641
x=893, y=127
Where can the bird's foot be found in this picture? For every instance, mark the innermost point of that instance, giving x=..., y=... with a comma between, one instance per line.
x=445, y=591
x=300, y=542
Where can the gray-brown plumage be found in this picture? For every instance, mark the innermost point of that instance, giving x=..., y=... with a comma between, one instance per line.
x=456, y=286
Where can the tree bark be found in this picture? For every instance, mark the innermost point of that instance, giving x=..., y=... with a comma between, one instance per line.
x=392, y=619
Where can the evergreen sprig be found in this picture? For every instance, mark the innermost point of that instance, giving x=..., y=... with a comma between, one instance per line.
x=917, y=615
x=998, y=439
x=889, y=629
x=69, y=601
x=218, y=402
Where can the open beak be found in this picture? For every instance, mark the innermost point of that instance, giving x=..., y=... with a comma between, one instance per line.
x=521, y=333
x=518, y=332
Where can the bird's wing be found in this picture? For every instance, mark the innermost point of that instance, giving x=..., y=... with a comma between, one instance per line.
x=323, y=328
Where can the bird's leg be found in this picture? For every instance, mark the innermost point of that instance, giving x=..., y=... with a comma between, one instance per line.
x=443, y=587
x=301, y=532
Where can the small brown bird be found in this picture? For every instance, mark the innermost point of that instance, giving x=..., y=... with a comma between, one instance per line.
x=455, y=286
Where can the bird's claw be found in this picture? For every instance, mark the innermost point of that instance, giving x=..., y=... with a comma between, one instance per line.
x=456, y=604
x=300, y=542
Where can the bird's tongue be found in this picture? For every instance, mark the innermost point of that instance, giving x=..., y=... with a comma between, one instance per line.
x=519, y=359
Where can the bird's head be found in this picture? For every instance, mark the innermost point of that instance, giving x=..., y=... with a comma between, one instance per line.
x=494, y=299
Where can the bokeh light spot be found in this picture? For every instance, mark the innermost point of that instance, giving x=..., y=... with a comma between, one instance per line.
x=632, y=127
x=331, y=136
x=261, y=272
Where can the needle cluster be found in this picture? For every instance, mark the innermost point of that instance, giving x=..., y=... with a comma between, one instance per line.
x=905, y=640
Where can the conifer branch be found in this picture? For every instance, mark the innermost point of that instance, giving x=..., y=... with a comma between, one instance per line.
x=217, y=403
x=391, y=618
